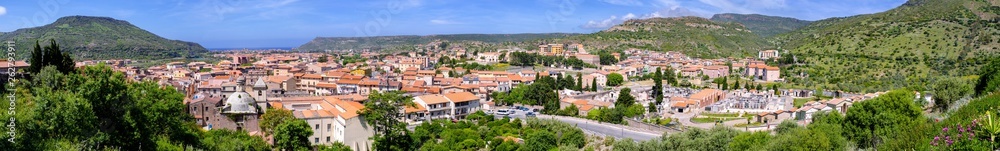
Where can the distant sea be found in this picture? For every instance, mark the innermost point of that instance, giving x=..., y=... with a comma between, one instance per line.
x=258, y=48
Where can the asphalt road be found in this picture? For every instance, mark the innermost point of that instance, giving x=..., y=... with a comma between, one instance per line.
x=593, y=127
x=606, y=129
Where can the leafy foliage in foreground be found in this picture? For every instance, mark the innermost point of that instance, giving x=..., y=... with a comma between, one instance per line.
x=499, y=134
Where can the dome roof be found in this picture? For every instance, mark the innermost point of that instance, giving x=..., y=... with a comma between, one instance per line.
x=240, y=102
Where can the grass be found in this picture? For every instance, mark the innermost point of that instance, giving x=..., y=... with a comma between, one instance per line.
x=726, y=115
x=748, y=125
x=714, y=119
x=800, y=101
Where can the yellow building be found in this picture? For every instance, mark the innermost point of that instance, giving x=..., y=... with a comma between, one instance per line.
x=358, y=72
x=554, y=49
x=557, y=49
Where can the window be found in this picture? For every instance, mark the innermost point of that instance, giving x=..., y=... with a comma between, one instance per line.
x=317, y=126
x=328, y=127
x=316, y=140
x=328, y=139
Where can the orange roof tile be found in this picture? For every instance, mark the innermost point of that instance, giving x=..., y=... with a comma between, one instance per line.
x=433, y=99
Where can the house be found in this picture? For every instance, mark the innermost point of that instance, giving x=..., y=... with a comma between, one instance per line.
x=463, y=103
x=707, y=97
x=331, y=119
x=238, y=112
x=488, y=57
x=840, y=104
x=437, y=106
x=589, y=58
x=763, y=72
x=325, y=88
x=767, y=54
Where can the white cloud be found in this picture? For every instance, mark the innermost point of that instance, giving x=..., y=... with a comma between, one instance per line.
x=623, y=2
x=665, y=13
x=442, y=22
x=745, y=7
x=3, y=10
x=628, y=16
x=602, y=24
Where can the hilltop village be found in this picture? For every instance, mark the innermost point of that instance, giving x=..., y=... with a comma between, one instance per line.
x=328, y=89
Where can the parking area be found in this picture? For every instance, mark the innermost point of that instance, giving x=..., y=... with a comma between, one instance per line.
x=514, y=112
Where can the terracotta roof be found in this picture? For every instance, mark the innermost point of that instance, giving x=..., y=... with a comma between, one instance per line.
x=368, y=82
x=679, y=104
x=703, y=94
x=415, y=108
x=433, y=99
x=326, y=85
x=348, y=81
x=461, y=97
x=4, y=64
x=312, y=76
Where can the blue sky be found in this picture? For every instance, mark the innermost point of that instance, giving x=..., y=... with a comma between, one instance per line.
x=289, y=23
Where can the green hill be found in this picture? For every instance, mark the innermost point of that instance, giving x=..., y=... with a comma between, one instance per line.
x=694, y=36
x=87, y=37
x=762, y=25
x=399, y=42
x=908, y=46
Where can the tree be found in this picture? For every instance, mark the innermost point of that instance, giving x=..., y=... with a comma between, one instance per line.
x=989, y=77
x=736, y=85
x=626, y=144
x=750, y=141
x=543, y=95
x=652, y=106
x=571, y=110
x=593, y=85
x=670, y=76
x=292, y=135
x=223, y=139
x=634, y=110
x=381, y=112
x=948, y=90
x=625, y=98
x=274, y=117
x=569, y=82
x=51, y=55
x=868, y=123
x=579, y=81
x=658, y=86
x=540, y=141
x=615, y=79
x=37, y=61
x=785, y=127
x=336, y=146
x=725, y=83
x=322, y=59
x=774, y=87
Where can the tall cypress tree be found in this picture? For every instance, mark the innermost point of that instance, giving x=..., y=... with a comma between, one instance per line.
x=579, y=81
x=658, y=85
x=37, y=62
x=593, y=84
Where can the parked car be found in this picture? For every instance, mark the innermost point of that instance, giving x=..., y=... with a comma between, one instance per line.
x=530, y=114
x=503, y=112
x=488, y=111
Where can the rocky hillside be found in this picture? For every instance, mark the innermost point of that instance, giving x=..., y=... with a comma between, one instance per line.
x=763, y=25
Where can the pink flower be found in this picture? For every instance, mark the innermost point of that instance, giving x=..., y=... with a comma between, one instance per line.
x=945, y=129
